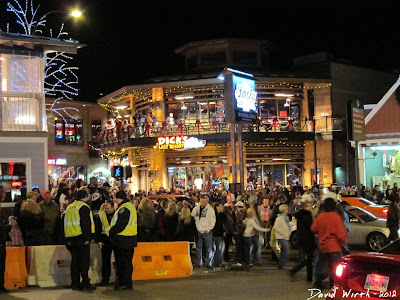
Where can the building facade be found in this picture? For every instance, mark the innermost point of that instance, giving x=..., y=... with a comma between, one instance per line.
x=297, y=113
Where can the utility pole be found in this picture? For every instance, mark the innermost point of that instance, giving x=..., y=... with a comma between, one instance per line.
x=241, y=159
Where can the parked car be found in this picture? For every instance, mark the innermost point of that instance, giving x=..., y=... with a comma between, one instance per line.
x=378, y=210
x=365, y=229
x=369, y=275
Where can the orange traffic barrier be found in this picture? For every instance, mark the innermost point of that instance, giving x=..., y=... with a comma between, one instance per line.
x=15, y=275
x=161, y=260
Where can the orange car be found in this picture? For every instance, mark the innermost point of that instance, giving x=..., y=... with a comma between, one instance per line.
x=379, y=211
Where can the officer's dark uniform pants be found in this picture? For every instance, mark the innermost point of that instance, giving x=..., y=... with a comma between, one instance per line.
x=80, y=263
x=106, y=251
x=123, y=261
x=2, y=264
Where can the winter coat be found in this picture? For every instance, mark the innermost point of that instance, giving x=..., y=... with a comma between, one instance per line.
x=305, y=237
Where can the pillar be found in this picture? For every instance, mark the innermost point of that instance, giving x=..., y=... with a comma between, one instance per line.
x=157, y=99
x=158, y=169
x=324, y=156
x=134, y=163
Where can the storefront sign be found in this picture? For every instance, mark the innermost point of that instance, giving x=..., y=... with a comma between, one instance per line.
x=16, y=184
x=193, y=143
x=240, y=96
x=172, y=142
x=356, y=121
x=57, y=161
x=8, y=177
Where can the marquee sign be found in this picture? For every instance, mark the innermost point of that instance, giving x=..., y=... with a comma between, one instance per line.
x=240, y=96
x=56, y=161
x=179, y=142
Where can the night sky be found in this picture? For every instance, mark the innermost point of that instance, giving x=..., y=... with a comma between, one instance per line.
x=129, y=41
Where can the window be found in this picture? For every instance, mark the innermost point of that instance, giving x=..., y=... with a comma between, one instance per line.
x=244, y=58
x=96, y=130
x=69, y=132
x=362, y=214
x=213, y=59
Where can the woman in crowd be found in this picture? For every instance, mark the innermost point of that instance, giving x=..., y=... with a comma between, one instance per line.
x=39, y=195
x=146, y=216
x=282, y=231
x=171, y=221
x=229, y=230
x=186, y=229
x=250, y=236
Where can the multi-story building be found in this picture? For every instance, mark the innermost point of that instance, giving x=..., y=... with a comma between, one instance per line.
x=295, y=110
x=74, y=129
x=23, y=125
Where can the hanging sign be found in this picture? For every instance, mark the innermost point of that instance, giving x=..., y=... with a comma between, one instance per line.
x=172, y=142
x=384, y=160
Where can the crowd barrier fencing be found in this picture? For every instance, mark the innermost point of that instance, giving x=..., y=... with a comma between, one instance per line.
x=15, y=275
x=162, y=260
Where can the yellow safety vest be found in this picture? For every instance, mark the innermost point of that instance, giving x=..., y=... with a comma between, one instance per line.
x=131, y=227
x=104, y=223
x=72, y=220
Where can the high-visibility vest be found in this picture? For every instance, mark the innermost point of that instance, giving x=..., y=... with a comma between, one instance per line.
x=105, y=225
x=131, y=227
x=72, y=220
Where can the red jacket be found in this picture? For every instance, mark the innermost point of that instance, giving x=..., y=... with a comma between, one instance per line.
x=331, y=232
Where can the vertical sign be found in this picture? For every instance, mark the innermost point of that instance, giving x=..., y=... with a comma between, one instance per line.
x=356, y=121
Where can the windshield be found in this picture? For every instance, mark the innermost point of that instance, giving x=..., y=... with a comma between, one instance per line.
x=366, y=202
x=362, y=214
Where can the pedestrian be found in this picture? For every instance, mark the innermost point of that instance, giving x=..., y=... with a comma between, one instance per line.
x=159, y=222
x=218, y=233
x=393, y=218
x=331, y=232
x=251, y=237
x=186, y=229
x=228, y=231
x=204, y=217
x=51, y=216
x=123, y=238
x=264, y=211
x=239, y=228
x=31, y=219
x=146, y=216
x=4, y=230
x=171, y=221
x=79, y=229
x=282, y=232
x=305, y=240
x=16, y=239
x=102, y=228
x=96, y=193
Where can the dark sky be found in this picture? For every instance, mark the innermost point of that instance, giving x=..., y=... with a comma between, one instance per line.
x=129, y=41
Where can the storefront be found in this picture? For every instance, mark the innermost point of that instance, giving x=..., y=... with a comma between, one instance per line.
x=58, y=168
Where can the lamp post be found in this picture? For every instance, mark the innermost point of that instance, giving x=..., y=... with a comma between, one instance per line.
x=76, y=14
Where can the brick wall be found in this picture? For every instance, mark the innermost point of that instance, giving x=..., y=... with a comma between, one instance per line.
x=324, y=157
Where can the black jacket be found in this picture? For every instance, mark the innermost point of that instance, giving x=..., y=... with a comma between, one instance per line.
x=305, y=238
x=188, y=231
x=393, y=215
x=119, y=241
x=99, y=237
x=220, y=219
x=4, y=230
x=171, y=223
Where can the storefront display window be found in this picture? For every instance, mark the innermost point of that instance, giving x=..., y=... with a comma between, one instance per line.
x=69, y=132
x=274, y=175
x=205, y=111
x=13, y=179
x=294, y=174
x=68, y=172
x=282, y=108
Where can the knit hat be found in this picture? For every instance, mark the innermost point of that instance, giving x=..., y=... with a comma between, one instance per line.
x=121, y=195
x=81, y=194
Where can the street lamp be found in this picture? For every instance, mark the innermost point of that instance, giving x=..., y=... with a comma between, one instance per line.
x=76, y=13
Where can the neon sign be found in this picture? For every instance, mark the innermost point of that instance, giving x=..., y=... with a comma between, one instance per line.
x=57, y=161
x=16, y=184
x=172, y=142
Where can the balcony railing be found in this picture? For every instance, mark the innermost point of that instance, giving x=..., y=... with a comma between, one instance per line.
x=119, y=135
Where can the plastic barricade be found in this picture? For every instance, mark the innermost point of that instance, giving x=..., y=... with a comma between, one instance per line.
x=49, y=266
x=161, y=260
x=15, y=274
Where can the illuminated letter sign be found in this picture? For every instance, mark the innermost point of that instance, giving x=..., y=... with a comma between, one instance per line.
x=172, y=142
x=245, y=93
x=57, y=162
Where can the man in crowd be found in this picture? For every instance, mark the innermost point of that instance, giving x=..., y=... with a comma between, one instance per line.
x=102, y=231
x=393, y=218
x=31, y=219
x=329, y=227
x=4, y=230
x=107, y=191
x=378, y=193
x=51, y=215
x=204, y=217
x=78, y=229
x=97, y=194
x=123, y=238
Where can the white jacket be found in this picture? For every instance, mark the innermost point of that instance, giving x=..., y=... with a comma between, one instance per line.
x=252, y=226
x=282, y=229
x=207, y=220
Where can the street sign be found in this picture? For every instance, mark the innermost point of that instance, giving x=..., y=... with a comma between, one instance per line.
x=356, y=121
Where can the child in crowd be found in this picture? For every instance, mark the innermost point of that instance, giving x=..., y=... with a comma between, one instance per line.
x=15, y=234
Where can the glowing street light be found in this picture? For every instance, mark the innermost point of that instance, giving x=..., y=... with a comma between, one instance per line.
x=76, y=13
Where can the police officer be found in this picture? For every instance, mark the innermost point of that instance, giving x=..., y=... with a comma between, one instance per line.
x=78, y=230
x=4, y=230
x=102, y=230
x=123, y=239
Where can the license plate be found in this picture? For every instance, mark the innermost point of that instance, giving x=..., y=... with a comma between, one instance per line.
x=375, y=282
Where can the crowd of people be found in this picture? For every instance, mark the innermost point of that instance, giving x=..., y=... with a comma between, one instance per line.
x=224, y=226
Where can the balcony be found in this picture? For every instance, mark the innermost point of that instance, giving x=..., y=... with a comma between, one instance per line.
x=125, y=136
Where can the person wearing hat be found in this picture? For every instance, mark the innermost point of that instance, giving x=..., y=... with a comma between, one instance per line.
x=51, y=216
x=123, y=238
x=78, y=230
x=107, y=191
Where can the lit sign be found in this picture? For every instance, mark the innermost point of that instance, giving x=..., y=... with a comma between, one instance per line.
x=172, y=142
x=245, y=93
x=57, y=162
x=16, y=184
x=193, y=143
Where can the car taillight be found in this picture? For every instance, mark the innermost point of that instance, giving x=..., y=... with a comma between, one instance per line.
x=385, y=211
x=339, y=270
